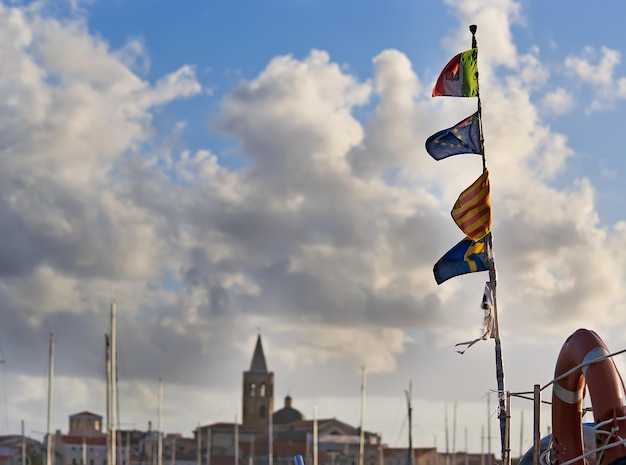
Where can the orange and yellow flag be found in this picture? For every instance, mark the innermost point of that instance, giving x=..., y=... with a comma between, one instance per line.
x=472, y=210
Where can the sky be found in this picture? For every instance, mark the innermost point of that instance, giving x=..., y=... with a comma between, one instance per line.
x=223, y=170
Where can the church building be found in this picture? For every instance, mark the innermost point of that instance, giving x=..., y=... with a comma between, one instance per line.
x=258, y=391
x=281, y=434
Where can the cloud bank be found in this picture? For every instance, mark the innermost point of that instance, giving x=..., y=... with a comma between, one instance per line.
x=323, y=237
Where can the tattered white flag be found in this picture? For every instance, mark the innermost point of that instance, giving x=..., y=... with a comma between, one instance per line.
x=488, y=321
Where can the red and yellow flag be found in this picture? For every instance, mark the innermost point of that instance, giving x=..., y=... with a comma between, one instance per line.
x=472, y=210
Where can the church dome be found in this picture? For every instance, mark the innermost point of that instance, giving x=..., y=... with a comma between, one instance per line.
x=287, y=414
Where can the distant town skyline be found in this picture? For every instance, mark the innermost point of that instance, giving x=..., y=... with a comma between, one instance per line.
x=217, y=169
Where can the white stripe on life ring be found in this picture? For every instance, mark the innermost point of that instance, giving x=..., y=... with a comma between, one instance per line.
x=570, y=397
x=593, y=354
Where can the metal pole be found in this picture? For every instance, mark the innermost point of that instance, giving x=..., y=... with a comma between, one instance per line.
x=198, y=445
x=315, y=437
x=492, y=284
x=447, y=435
x=521, y=435
x=362, y=435
x=502, y=411
x=113, y=384
x=482, y=444
x=107, y=349
x=50, y=379
x=23, y=445
x=537, y=425
x=454, y=434
x=507, y=450
x=409, y=398
x=270, y=440
x=160, y=426
x=466, y=453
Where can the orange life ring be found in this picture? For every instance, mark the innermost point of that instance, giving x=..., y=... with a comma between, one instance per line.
x=605, y=389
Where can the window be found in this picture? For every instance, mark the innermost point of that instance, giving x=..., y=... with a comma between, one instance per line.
x=252, y=389
x=73, y=461
x=262, y=411
x=262, y=390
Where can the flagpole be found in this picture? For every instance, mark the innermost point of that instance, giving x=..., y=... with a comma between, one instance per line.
x=473, y=29
x=492, y=284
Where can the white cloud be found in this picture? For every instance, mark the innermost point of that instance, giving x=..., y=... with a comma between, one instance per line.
x=593, y=68
x=557, y=102
x=494, y=19
x=325, y=239
x=597, y=70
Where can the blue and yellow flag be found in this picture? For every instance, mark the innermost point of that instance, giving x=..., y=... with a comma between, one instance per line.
x=463, y=137
x=467, y=256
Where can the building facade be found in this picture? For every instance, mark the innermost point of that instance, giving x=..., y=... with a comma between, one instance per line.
x=85, y=443
x=285, y=432
x=263, y=436
x=16, y=449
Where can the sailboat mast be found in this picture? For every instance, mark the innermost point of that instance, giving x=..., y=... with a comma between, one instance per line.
x=160, y=425
x=198, y=445
x=23, y=445
x=315, y=438
x=454, y=433
x=50, y=378
x=447, y=435
x=521, y=434
x=362, y=432
x=409, y=401
x=113, y=384
x=107, y=355
x=270, y=439
x=466, y=450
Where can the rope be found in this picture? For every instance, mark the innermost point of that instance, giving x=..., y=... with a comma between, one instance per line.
x=584, y=364
x=548, y=457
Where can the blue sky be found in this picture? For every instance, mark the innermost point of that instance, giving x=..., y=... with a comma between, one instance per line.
x=220, y=167
x=228, y=43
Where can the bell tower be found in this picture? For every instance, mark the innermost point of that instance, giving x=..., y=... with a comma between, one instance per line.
x=258, y=391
